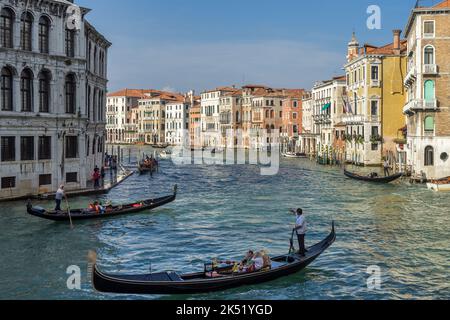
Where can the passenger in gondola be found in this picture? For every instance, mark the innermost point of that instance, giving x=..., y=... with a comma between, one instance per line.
x=248, y=257
x=97, y=208
x=373, y=175
x=267, y=261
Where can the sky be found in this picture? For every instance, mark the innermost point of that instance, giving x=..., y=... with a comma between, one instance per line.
x=179, y=45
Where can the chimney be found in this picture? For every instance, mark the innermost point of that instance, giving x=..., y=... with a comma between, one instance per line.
x=397, y=42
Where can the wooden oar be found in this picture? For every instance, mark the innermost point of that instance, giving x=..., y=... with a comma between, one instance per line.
x=70, y=215
x=291, y=248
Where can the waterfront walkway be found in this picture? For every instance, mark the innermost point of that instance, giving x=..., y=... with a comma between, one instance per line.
x=112, y=180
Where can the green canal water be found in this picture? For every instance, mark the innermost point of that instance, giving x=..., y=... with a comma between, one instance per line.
x=222, y=211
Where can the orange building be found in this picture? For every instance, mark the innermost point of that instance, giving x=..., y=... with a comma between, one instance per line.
x=292, y=120
x=195, y=117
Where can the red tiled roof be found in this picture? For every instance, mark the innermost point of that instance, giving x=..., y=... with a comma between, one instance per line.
x=384, y=50
x=132, y=93
x=443, y=4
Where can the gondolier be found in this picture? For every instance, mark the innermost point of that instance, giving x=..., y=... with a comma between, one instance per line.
x=386, y=167
x=60, y=194
x=300, y=229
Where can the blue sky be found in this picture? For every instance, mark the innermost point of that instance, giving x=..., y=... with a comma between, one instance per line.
x=201, y=44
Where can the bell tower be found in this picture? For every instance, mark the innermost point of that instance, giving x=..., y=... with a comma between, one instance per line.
x=353, y=47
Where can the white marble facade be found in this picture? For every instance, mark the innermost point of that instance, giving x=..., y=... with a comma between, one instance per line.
x=52, y=97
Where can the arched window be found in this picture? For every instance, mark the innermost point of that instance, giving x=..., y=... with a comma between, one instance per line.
x=429, y=90
x=267, y=113
x=429, y=124
x=6, y=28
x=44, y=35
x=26, y=90
x=70, y=91
x=26, y=32
x=429, y=156
x=429, y=55
x=70, y=43
x=89, y=101
x=95, y=60
x=44, y=91
x=7, y=89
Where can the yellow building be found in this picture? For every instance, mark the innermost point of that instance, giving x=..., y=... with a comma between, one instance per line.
x=376, y=97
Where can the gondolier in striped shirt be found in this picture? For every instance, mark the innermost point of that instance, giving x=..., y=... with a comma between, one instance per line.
x=300, y=229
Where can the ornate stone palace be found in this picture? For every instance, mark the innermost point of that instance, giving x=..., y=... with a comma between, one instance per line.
x=52, y=96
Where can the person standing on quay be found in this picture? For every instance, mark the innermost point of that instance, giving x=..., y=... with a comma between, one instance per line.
x=96, y=178
x=300, y=229
x=60, y=194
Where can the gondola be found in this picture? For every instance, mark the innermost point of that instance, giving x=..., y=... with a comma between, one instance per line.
x=145, y=169
x=86, y=214
x=295, y=155
x=373, y=179
x=195, y=283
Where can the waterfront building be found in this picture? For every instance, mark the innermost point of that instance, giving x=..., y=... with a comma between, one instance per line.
x=376, y=97
x=249, y=130
x=292, y=120
x=307, y=135
x=52, y=105
x=210, y=115
x=327, y=109
x=152, y=109
x=195, y=128
x=427, y=146
x=119, y=111
x=230, y=117
x=177, y=119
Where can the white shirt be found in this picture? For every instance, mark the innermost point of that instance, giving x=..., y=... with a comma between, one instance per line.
x=301, y=222
x=259, y=263
x=59, y=194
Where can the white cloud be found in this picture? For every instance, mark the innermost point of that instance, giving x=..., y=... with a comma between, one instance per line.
x=201, y=66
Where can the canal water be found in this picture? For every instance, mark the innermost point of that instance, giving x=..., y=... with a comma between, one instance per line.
x=401, y=230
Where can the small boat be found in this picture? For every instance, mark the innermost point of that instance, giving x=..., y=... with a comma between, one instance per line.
x=376, y=179
x=86, y=214
x=166, y=154
x=160, y=146
x=296, y=155
x=175, y=283
x=441, y=185
x=216, y=151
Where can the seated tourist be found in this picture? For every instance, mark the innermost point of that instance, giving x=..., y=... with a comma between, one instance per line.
x=267, y=261
x=249, y=256
x=254, y=265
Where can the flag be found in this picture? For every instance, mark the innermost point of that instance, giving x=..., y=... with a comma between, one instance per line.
x=347, y=106
x=327, y=106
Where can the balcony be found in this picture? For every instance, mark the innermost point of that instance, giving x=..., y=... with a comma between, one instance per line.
x=353, y=119
x=430, y=69
x=420, y=105
x=375, y=83
x=411, y=76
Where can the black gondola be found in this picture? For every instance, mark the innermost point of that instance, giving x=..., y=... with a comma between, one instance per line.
x=376, y=179
x=142, y=169
x=86, y=214
x=174, y=283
